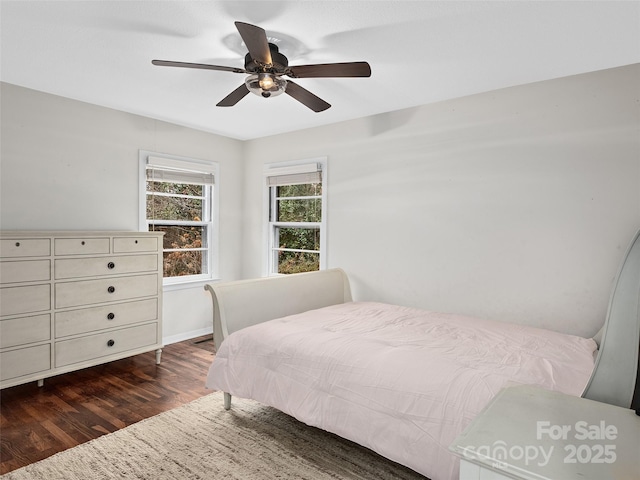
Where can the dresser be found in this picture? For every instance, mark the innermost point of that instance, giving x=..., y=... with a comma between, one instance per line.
x=529, y=433
x=70, y=300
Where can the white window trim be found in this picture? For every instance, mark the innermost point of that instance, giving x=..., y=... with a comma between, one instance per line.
x=175, y=283
x=294, y=166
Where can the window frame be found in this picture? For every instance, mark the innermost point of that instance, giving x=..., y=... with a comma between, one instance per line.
x=211, y=206
x=269, y=227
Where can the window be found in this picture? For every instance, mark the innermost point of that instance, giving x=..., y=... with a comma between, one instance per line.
x=178, y=200
x=295, y=218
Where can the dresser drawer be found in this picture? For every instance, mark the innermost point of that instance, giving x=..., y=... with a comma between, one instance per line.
x=23, y=330
x=86, y=292
x=25, y=247
x=91, y=319
x=34, y=298
x=104, y=344
x=25, y=361
x=91, y=267
x=135, y=244
x=81, y=246
x=25, y=271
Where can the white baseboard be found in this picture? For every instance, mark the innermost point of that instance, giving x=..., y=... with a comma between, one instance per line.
x=186, y=336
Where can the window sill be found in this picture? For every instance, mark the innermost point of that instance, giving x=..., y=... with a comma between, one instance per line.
x=169, y=287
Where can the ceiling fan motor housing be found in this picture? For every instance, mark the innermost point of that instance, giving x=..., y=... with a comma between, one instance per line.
x=279, y=65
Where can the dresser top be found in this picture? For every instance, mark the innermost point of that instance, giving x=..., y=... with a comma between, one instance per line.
x=72, y=233
x=531, y=433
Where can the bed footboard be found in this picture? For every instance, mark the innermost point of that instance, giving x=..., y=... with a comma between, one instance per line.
x=243, y=303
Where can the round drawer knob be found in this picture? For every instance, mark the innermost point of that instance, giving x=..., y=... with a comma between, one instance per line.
x=111, y=343
x=111, y=265
x=111, y=316
x=111, y=289
x=82, y=242
x=17, y=244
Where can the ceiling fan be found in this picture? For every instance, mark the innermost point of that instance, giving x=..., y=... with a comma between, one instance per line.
x=266, y=66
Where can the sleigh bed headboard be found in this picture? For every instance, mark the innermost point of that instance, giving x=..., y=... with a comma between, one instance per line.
x=250, y=302
x=615, y=374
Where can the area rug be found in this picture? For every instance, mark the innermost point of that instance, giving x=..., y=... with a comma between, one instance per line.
x=201, y=440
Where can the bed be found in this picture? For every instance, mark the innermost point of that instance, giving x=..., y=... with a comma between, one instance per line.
x=401, y=381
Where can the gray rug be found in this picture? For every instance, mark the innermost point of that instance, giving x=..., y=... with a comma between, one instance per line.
x=201, y=440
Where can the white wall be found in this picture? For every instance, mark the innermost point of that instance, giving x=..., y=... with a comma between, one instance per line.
x=515, y=204
x=69, y=165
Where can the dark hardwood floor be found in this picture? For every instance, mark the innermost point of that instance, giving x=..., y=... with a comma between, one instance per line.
x=76, y=407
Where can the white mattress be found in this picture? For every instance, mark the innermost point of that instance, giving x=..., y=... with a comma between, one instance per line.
x=401, y=381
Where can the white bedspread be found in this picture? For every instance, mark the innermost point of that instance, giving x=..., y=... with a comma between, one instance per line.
x=401, y=381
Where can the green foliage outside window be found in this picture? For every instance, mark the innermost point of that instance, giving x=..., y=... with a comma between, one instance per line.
x=292, y=206
x=183, y=203
x=298, y=262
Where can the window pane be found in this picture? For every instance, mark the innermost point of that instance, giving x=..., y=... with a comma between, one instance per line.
x=301, y=190
x=178, y=236
x=298, y=238
x=298, y=262
x=174, y=208
x=177, y=264
x=300, y=210
x=177, y=188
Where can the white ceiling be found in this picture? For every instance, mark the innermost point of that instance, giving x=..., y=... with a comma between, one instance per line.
x=420, y=52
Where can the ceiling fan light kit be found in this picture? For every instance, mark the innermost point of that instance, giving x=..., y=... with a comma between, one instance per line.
x=266, y=66
x=265, y=84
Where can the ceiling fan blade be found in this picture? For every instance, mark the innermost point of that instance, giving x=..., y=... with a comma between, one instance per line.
x=305, y=97
x=255, y=38
x=168, y=63
x=234, y=97
x=348, y=69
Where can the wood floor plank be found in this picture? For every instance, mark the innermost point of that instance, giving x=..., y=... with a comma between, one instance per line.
x=115, y=423
x=70, y=409
x=59, y=435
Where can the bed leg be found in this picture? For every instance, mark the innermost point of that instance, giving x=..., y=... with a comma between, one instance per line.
x=227, y=400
